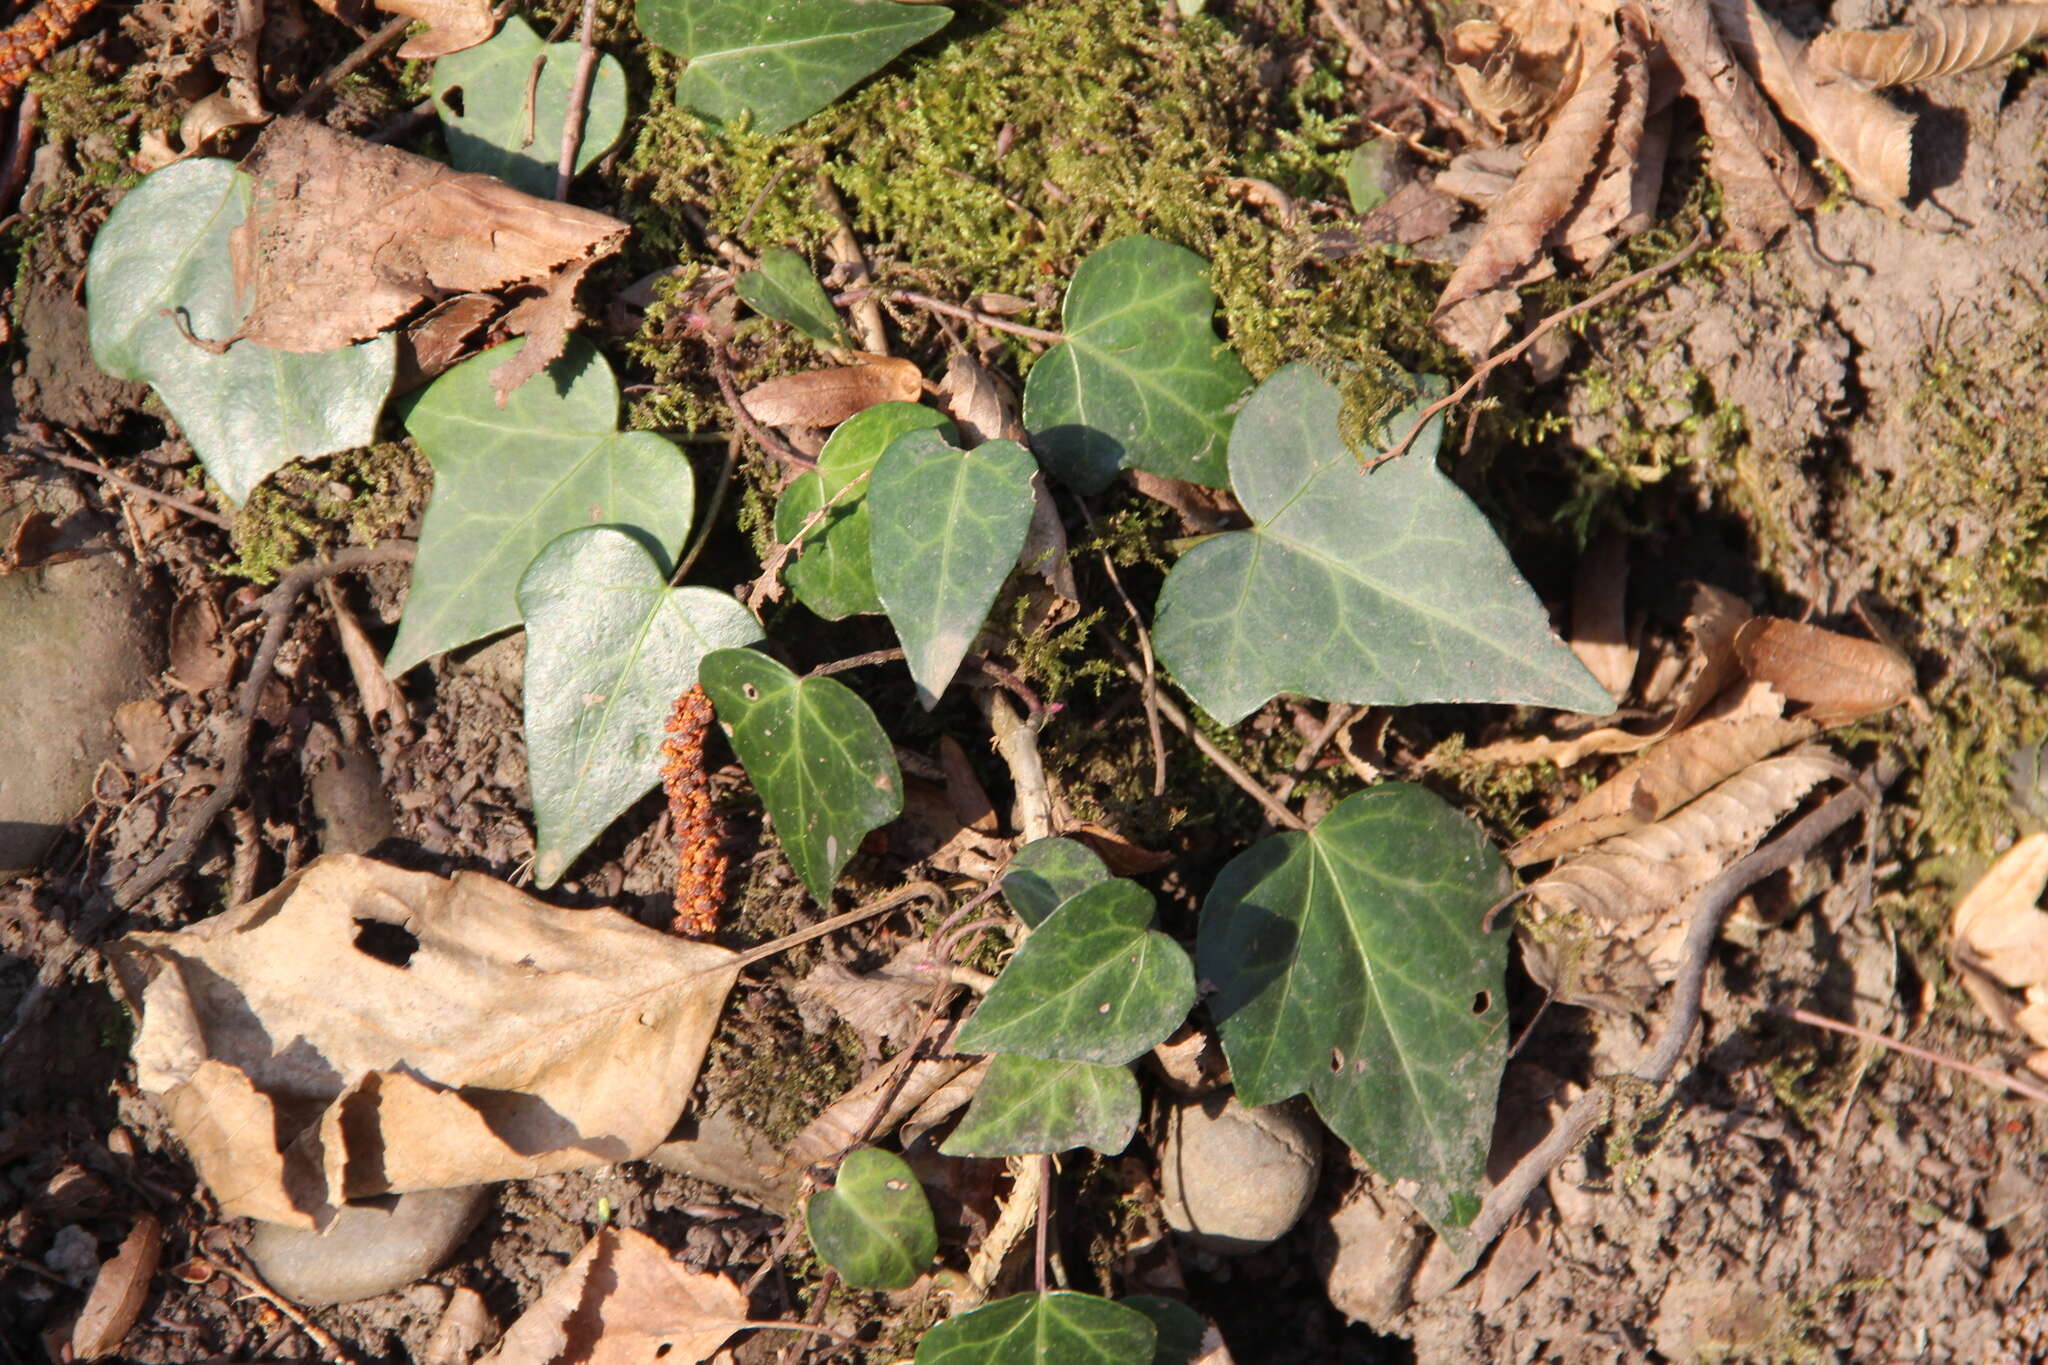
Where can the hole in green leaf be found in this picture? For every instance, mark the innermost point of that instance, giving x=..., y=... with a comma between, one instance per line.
x=452, y=97
x=1482, y=1001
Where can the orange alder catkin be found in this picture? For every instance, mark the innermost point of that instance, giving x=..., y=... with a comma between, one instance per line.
x=26, y=42
x=700, y=851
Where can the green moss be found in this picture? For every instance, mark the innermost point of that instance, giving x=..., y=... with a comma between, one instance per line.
x=361, y=495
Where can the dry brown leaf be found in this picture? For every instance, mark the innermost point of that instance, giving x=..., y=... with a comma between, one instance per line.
x=841, y=1126
x=1999, y=922
x=200, y=656
x=623, y=1301
x=948, y=1100
x=1667, y=776
x=1630, y=894
x=1051, y=596
x=1203, y=511
x=433, y=343
x=118, y=1292
x=303, y=1066
x=545, y=317
x=1839, y=677
x=1548, y=186
x=1509, y=98
x=1480, y=175
x=378, y=694
x=465, y=1325
x=1588, y=230
x=1122, y=857
x=345, y=237
x=1871, y=140
x=452, y=25
x=1600, y=634
x=980, y=404
x=1940, y=43
x=971, y=806
x=1515, y=72
x=884, y=1004
x=825, y=398
x=146, y=734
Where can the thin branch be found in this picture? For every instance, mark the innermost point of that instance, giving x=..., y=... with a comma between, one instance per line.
x=579, y=98
x=1149, y=687
x=275, y=605
x=721, y=367
x=1711, y=906
x=981, y=663
x=1536, y=333
x=1429, y=99
x=1335, y=719
x=100, y=471
x=1991, y=1076
x=1017, y=742
x=21, y=149
x=951, y=310
x=370, y=47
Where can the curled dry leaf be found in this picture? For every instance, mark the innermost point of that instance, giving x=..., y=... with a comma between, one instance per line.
x=345, y=237
x=825, y=398
x=363, y=1030
x=452, y=25
x=843, y=1122
x=200, y=656
x=1998, y=938
x=1605, y=929
x=623, y=1301
x=884, y=1004
x=118, y=1292
x=1600, y=635
x=1667, y=776
x=1839, y=677
x=1940, y=43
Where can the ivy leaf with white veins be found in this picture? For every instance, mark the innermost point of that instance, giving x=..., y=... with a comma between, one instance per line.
x=785, y=289
x=1026, y=1106
x=1386, y=588
x=815, y=753
x=874, y=1226
x=945, y=528
x=1349, y=965
x=1045, y=873
x=509, y=480
x=1094, y=983
x=830, y=573
x=780, y=62
x=609, y=647
x=480, y=94
x=1141, y=382
x=249, y=410
x=1059, y=1327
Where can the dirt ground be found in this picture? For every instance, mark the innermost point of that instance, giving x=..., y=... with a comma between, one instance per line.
x=1850, y=426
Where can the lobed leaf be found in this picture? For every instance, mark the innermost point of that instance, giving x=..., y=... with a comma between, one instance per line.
x=1048, y=1328
x=489, y=124
x=816, y=754
x=1026, y=1105
x=1045, y=872
x=874, y=1226
x=1180, y=1327
x=163, y=258
x=785, y=289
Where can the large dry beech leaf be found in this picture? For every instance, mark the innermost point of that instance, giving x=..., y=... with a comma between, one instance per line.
x=1998, y=937
x=1605, y=929
x=623, y=1301
x=364, y=1029
x=1838, y=677
x=1939, y=43
x=346, y=237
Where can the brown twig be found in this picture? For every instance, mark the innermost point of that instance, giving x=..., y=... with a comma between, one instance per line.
x=100, y=471
x=1429, y=99
x=1149, y=686
x=1711, y=906
x=367, y=50
x=981, y=663
x=1017, y=741
x=951, y=310
x=1178, y=719
x=276, y=606
x=1991, y=1076
x=579, y=98
x=1338, y=716
x=1536, y=333
x=721, y=368
x=323, y=1340
x=21, y=149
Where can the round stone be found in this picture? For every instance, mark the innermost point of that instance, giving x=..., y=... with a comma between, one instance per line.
x=1237, y=1179
x=368, y=1249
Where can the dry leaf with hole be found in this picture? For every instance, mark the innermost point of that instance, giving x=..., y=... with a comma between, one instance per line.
x=1940, y=43
x=624, y=1301
x=825, y=398
x=118, y=1292
x=346, y=237
x=1606, y=928
x=1839, y=677
x=363, y=1030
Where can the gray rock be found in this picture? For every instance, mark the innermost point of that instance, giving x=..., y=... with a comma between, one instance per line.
x=1236, y=1179
x=349, y=801
x=77, y=639
x=721, y=1150
x=368, y=1249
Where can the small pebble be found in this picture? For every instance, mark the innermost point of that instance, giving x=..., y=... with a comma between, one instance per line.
x=368, y=1250
x=1237, y=1179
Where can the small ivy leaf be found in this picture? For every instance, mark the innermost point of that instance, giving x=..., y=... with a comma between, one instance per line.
x=1093, y=984
x=609, y=647
x=1388, y=588
x=509, y=480
x=1045, y=872
x=1349, y=965
x=781, y=62
x=946, y=527
x=1141, y=381
x=1367, y=171
x=1058, y=1327
x=830, y=573
x=785, y=289
x=824, y=767
x=481, y=95
x=249, y=410
x=1027, y=1106
x=1180, y=1327
x=874, y=1226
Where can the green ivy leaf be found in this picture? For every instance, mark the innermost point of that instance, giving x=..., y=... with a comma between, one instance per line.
x=785, y=289
x=1094, y=983
x=823, y=766
x=609, y=647
x=1348, y=964
x=1367, y=171
x=1045, y=872
x=780, y=62
x=1141, y=382
x=1386, y=588
x=480, y=94
x=1180, y=1327
x=874, y=1226
x=250, y=410
x=509, y=480
x=830, y=573
x=1058, y=1327
x=947, y=527
x=1027, y=1106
